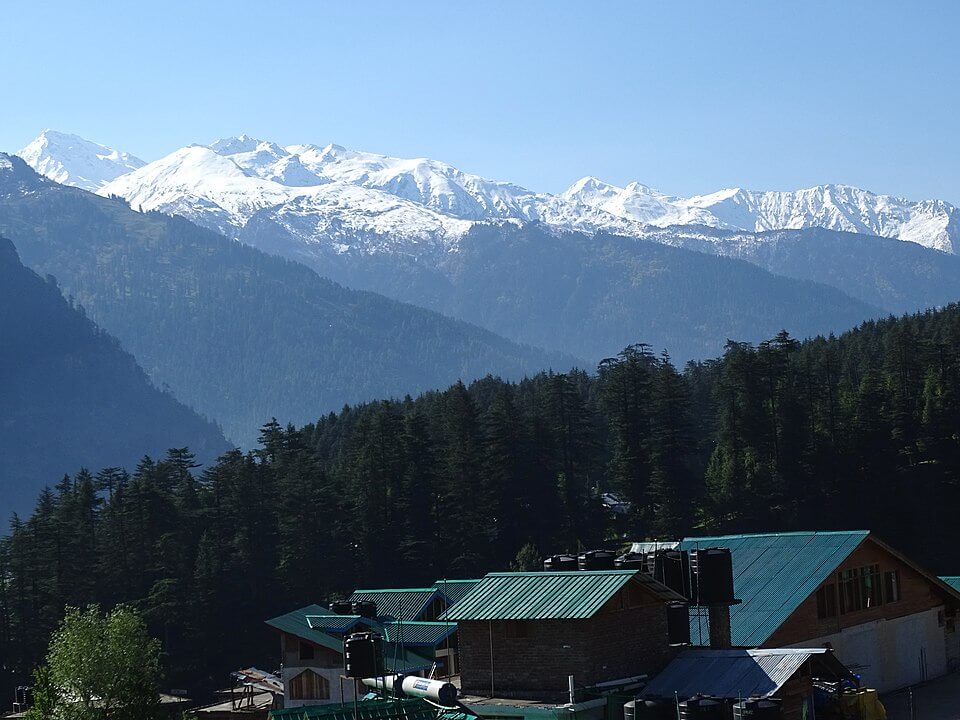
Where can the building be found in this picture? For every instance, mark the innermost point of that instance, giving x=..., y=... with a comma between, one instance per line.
x=784, y=674
x=886, y=618
x=523, y=634
x=311, y=651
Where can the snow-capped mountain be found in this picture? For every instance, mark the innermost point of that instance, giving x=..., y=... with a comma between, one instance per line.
x=71, y=160
x=324, y=195
x=932, y=223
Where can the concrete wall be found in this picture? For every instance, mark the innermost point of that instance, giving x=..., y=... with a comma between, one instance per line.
x=326, y=663
x=891, y=654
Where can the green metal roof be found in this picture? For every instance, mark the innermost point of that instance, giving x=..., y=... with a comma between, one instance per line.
x=399, y=603
x=540, y=595
x=952, y=580
x=454, y=590
x=397, y=659
x=331, y=622
x=419, y=633
x=296, y=623
x=772, y=575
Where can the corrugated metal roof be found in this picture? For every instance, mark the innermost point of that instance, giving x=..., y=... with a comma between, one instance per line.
x=544, y=595
x=732, y=673
x=773, y=574
x=952, y=580
x=454, y=590
x=419, y=634
x=392, y=709
x=399, y=603
x=397, y=659
x=331, y=622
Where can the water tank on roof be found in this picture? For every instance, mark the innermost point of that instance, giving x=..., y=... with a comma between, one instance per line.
x=713, y=576
x=757, y=708
x=649, y=710
x=341, y=607
x=631, y=561
x=702, y=707
x=678, y=624
x=363, y=656
x=672, y=568
x=560, y=562
x=596, y=560
x=364, y=608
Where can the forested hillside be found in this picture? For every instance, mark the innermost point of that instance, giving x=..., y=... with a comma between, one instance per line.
x=587, y=294
x=849, y=432
x=238, y=334
x=70, y=396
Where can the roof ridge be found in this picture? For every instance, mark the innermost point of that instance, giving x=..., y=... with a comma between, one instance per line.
x=791, y=533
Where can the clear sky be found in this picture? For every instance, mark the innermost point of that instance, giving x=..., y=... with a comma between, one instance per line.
x=688, y=97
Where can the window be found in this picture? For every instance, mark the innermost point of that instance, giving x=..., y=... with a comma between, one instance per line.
x=827, y=601
x=859, y=588
x=306, y=651
x=891, y=586
x=309, y=686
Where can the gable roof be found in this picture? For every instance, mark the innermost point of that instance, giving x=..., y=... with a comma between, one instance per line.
x=400, y=603
x=772, y=574
x=396, y=657
x=548, y=595
x=417, y=633
x=736, y=673
x=456, y=589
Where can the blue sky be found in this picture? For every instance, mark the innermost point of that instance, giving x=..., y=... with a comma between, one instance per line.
x=686, y=96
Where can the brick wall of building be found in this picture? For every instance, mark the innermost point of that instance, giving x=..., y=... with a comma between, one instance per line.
x=532, y=659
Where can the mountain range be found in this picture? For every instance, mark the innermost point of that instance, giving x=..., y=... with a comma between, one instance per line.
x=354, y=201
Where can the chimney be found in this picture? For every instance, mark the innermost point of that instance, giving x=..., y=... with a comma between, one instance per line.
x=720, y=627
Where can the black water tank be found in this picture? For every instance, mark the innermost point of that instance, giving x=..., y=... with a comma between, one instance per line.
x=363, y=656
x=756, y=708
x=678, y=624
x=713, y=576
x=342, y=607
x=648, y=709
x=672, y=568
x=596, y=560
x=631, y=561
x=560, y=562
x=364, y=608
x=702, y=707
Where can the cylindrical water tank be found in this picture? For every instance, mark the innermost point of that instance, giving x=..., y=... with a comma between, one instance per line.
x=596, y=560
x=713, y=575
x=363, y=656
x=631, y=561
x=649, y=709
x=341, y=607
x=364, y=608
x=757, y=708
x=702, y=707
x=560, y=562
x=672, y=568
x=678, y=624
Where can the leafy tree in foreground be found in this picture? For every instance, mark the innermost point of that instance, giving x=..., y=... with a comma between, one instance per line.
x=99, y=667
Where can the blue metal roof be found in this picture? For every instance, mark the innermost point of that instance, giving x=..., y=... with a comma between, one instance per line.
x=454, y=590
x=734, y=673
x=772, y=575
x=418, y=633
x=952, y=580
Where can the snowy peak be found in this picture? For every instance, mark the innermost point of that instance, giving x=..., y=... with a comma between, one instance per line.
x=71, y=160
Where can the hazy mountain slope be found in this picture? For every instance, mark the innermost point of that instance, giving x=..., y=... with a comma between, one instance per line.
x=586, y=295
x=71, y=397
x=241, y=335
x=896, y=276
x=71, y=160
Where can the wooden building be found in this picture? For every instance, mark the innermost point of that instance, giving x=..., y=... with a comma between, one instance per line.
x=888, y=620
x=523, y=634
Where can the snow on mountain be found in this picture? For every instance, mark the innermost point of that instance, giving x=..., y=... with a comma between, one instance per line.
x=71, y=160
x=932, y=223
x=329, y=191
